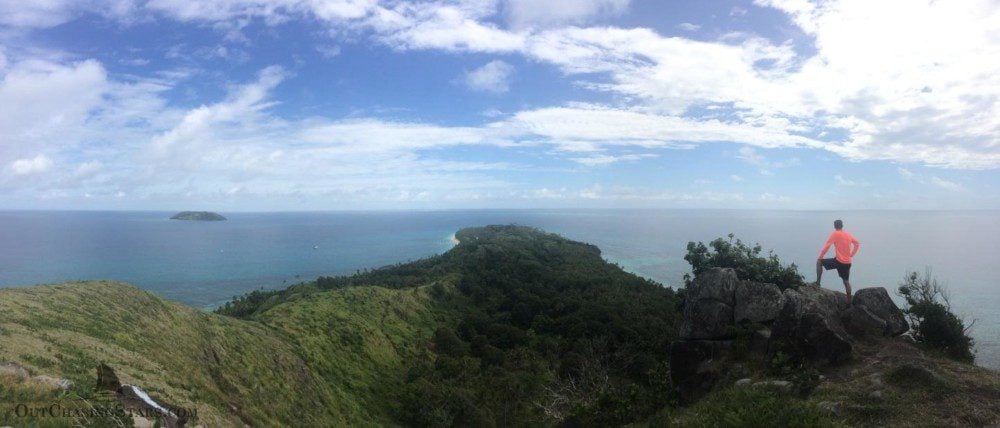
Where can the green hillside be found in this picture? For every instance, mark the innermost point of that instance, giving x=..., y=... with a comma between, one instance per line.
x=528, y=327
x=515, y=309
x=329, y=358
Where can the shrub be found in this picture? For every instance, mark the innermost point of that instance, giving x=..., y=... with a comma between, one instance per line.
x=752, y=407
x=748, y=262
x=929, y=312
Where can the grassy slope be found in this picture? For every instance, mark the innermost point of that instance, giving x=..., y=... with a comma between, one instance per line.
x=305, y=370
x=360, y=341
x=914, y=388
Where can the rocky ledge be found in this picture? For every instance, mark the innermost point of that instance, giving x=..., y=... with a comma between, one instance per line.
x=810, y=324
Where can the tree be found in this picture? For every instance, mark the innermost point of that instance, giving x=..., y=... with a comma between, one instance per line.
x=748, y=262
x=929, y=312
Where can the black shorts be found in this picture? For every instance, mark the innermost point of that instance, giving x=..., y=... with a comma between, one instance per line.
x=843, y=269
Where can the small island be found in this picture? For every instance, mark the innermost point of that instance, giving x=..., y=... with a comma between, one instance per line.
x=198, y=216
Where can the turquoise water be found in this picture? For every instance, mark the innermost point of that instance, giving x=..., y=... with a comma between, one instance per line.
x=205, y=263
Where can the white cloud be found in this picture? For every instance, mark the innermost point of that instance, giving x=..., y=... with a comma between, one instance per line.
x=596, y=160
x=494, y=77
x=596, y=126
x=735, y=178
x=626, y=195
x=328, y=51
x=447, y=27
x=532, y=13
x=35, y=165
x=905, y=173
x=899, y=80
x=243, y=105
x=847, y=182
x=90, y=168
x=905, y=79
x=766, y=166
x=687, y=26
x=749, y=155
x=134, y=62
x=46, y=105
x=893, y=85
x=36, y=14
x=946, y=184
x=49, y=13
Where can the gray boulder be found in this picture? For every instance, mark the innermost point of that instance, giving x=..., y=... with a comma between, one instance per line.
x=757, y=301
x=52, y=382
x=828, y=301
x=808, y=326
x=708, y=310
x=707, y=319
x=13, y=369
x=861, y=322
x=878, y=302
x=715, y=284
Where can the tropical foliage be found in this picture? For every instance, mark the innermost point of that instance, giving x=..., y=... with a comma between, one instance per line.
x=749, y=262
x=929, y=311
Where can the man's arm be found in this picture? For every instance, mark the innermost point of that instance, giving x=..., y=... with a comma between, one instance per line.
x=829, y=241
x=856, y=245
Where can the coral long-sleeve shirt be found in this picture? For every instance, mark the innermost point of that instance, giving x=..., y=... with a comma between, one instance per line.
x=841, y=241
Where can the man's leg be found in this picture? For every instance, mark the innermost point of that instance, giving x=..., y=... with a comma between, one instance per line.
x=819, y=270
x=847, y=288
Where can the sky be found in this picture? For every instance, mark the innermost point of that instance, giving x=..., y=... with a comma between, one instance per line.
x=286, y=105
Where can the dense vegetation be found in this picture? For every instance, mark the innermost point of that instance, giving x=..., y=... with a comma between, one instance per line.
x=748, y=262
x=548, y=332
x=932, y=322
x=545, y=331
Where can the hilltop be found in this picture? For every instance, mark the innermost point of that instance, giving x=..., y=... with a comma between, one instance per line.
x=198, y=216
x=513, y=326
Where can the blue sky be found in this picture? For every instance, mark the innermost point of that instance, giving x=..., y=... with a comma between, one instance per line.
x=365, y=104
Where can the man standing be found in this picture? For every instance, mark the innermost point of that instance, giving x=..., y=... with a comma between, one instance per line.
x=841, y=241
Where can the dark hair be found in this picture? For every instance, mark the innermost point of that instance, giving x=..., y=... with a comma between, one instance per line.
x=837, y=224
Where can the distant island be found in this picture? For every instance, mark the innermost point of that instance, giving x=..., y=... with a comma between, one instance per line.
x=198, y=216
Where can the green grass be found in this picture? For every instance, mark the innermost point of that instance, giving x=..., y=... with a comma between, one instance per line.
x=361, y=341
x=330, y=358
x=747, y=407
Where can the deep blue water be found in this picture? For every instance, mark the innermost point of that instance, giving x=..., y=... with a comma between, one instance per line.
x=205, y=263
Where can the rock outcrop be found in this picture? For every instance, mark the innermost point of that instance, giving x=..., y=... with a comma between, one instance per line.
x=809, y=324
x=878, y=302
x=16, y=371
x=143, y=407
x=757, y=302
x=709, y=312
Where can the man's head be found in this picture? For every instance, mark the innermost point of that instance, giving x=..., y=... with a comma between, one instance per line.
x=837, y=224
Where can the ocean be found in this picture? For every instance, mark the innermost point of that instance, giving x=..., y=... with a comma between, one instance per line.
x=206, y=263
